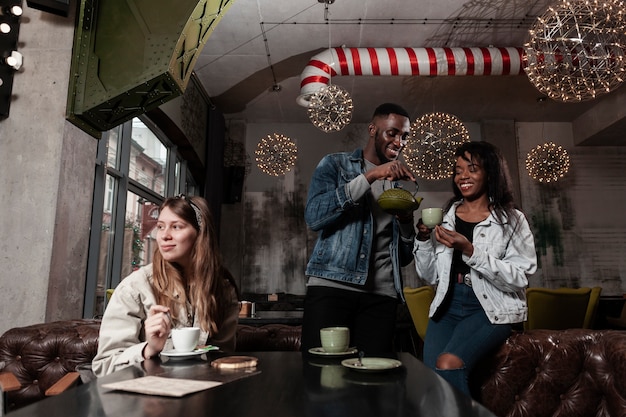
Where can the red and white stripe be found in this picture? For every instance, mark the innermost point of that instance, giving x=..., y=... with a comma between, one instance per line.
x=406, y=62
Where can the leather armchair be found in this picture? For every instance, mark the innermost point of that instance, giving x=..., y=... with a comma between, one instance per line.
x=564, y=373
x=41, y=355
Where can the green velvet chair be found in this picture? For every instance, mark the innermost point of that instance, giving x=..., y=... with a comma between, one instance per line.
x=562, y=308
x=418, y=301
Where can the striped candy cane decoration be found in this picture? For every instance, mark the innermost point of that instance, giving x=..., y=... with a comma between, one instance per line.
x=406, y=62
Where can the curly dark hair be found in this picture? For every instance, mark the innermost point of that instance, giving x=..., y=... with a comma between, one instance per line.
x=499, y=190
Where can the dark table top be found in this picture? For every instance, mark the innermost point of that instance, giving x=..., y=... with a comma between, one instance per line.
x=284, y=384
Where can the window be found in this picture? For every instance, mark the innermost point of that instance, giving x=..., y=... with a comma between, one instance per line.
x=136, y=168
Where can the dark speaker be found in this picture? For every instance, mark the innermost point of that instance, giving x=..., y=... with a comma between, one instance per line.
x=58, y=7
x=233, y=184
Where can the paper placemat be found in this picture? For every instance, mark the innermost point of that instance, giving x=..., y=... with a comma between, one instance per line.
x=156, y=385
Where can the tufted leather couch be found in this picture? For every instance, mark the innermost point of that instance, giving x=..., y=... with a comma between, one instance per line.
x=41, y=354
x=567, y=373
x=269, y=337
x=536, y=373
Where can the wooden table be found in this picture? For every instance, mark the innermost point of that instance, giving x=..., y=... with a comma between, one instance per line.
x=284, y=384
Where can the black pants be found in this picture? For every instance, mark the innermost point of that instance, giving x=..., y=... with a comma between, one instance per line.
x=371, y=318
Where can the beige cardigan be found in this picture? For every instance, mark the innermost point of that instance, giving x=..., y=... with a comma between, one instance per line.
x=122, y=336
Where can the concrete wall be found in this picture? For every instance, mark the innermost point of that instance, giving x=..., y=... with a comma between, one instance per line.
x=579, y=225
x=265, y=241
x=579, y=232
x=46, y=169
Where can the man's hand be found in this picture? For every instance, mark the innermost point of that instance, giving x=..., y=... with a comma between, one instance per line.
x=392, y=171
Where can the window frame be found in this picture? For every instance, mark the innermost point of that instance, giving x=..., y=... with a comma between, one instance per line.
x=123, y=184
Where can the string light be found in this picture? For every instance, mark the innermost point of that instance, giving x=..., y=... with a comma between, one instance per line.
x=576, y=50
x=434, y=139
x=276, y=154
x=330, y=108
x=547, y=163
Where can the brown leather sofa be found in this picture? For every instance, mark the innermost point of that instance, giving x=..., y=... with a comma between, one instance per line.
x=270, y=337
x=565, y=373
x=41, y=354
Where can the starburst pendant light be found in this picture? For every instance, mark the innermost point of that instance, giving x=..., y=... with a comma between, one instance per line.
x=576, y=50
x=276, y=154
x=547, y=163
x=330, y=108
x=434, y=139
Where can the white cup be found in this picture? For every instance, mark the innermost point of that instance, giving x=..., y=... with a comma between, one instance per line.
x=431, y=217
x=185, y=339
x=335, y=339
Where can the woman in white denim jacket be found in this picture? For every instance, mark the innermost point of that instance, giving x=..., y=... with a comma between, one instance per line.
x=185, y=285
x=480, y=259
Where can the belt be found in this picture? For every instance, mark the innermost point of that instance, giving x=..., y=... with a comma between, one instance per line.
x=464, y=279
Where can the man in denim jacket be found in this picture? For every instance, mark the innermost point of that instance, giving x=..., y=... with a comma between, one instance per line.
x=354, y=270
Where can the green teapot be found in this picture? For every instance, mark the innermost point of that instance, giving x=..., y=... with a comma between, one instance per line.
x=399, y=200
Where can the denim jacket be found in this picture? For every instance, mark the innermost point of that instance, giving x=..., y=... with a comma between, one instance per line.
x=499, y=267
x=344, y=244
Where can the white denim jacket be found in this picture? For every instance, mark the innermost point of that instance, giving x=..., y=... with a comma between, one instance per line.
x=122, y=334
x=499, y=267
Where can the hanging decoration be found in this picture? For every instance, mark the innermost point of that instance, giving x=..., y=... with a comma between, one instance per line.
x=330, y=108
x=276, y=154
x=547, y=163
x=406, y=62
x=577, y=49
x=434, y=139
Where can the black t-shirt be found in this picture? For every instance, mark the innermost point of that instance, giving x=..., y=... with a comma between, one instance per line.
x=458, y=265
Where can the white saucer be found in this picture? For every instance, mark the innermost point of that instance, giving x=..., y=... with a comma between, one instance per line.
x=174, y=355
x=321, y=352
x=371, y=364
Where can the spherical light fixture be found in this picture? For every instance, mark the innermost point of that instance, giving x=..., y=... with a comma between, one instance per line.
x=429, y=152
x=276, y=154
x=330, y=108
x=577, y=49
x=547, y=163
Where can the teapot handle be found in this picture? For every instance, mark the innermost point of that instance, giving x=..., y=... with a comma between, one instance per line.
x=417, y=187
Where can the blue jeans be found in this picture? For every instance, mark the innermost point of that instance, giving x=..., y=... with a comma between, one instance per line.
x=462, y=329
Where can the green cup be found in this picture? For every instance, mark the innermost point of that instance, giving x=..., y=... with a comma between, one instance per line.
x=431, y=217
x=335, y=339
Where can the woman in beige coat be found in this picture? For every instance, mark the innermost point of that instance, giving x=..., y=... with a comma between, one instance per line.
x=186, y=285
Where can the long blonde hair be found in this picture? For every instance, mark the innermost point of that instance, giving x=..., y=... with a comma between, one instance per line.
x=207, y=287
